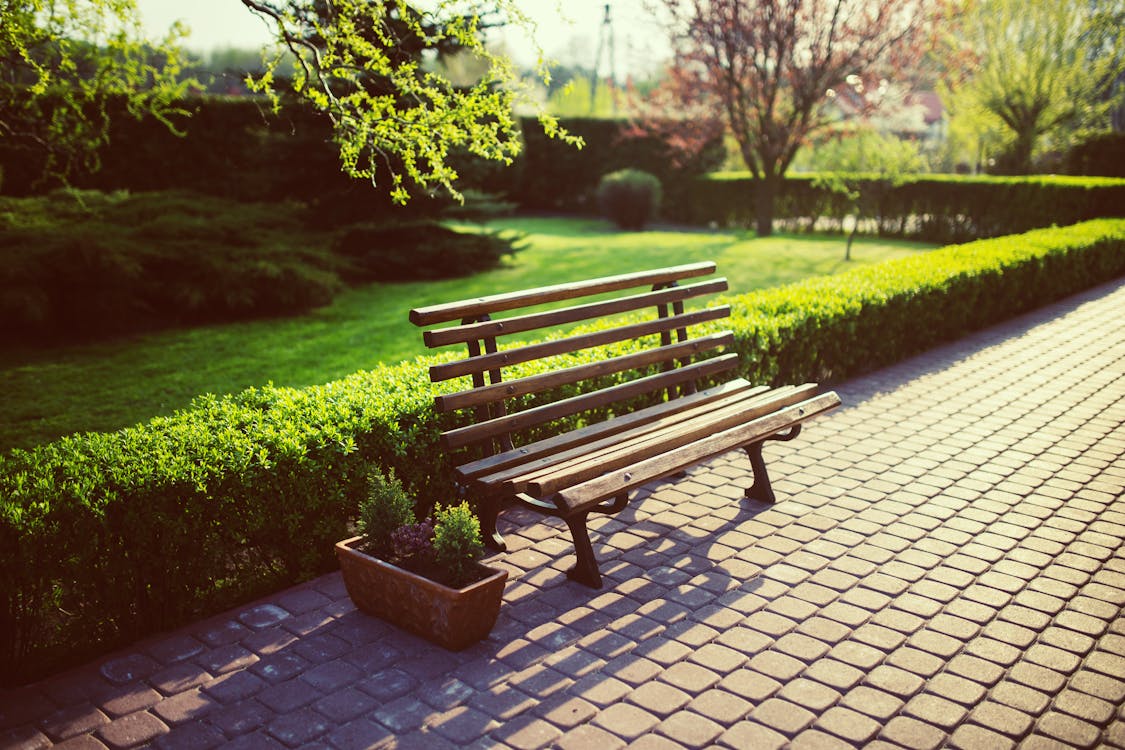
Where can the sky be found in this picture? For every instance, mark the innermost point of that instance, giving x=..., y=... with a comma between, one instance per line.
x=569, y=36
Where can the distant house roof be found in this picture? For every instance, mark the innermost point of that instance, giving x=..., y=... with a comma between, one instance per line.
x=930, y=103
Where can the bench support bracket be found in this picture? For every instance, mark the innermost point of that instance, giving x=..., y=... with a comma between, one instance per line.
x=585, y=570
x=488, y=513
x=762, y=489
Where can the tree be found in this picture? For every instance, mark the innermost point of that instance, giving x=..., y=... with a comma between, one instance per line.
x=771, y=68
x=63, y=61
x=370, y=66
x=1039, y=67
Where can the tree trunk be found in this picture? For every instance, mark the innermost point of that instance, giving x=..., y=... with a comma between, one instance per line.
x=765, y=192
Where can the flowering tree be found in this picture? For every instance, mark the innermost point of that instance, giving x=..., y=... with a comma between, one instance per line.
x=769, y=69
x=369, y=65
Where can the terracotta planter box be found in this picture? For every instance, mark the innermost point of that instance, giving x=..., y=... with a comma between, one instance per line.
x=452, y=618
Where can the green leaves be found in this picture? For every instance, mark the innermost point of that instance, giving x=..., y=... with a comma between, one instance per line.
x=64, y=63
x=368, y=65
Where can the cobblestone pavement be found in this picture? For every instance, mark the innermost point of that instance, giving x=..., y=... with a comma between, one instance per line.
x=946, y=567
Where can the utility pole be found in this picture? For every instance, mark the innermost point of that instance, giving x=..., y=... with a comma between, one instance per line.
x=605, y=37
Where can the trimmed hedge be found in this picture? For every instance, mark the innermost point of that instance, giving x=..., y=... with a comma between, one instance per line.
x=236, y=148
x=935, y=208
x=106, y=537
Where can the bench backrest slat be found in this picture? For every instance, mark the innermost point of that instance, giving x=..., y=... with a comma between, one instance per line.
x=424, y=316
x=463, y=436
x=657, y=323
x=570, y=344
x=545, y=381
x=552, y=318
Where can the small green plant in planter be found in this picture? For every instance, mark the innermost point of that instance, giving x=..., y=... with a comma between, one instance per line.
x=457, y=541
x=423, y=576
x=444, y=548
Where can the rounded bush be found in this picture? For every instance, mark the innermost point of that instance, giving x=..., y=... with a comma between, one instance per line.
x=629, y=198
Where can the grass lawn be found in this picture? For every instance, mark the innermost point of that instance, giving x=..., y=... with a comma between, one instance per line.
x=56, y=391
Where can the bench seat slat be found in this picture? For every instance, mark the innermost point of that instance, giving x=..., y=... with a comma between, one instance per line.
x=462, y=436
x=550, y=473
x=620, y=423
x=553, y=379
x=530, y=352
x=587, y=494
x=590, y=311
x=546, y=459
x=646, y=444
x=424, y=316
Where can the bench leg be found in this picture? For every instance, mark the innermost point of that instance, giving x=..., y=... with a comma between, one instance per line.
x=761, y=489
x=585, y=570
x=489, y=512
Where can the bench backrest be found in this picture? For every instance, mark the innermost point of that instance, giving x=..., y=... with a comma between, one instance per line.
x=663, y=296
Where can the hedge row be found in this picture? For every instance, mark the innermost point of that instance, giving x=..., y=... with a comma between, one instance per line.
x=236, y=148
x=105, y=537
x=935, y=208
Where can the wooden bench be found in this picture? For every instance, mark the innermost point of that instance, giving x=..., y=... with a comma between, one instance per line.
x=592, y=468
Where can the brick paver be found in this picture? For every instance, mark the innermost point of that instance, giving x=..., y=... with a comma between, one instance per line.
x=946, y=567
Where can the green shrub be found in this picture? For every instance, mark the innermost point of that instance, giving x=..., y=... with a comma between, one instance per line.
x=105, y=537
x=1098, y=154
x=554, y=176
x=386, y=508
x=457, y=541
x=629, y=198
x=420, y=251
x=88, y=264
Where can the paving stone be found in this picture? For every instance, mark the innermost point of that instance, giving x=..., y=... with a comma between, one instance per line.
x=1003, y=719
x=562, y=711
x=127, y=699
x=782, y=716
x=659, y=698
x=288, y=696
x=1085, y=707
x=834, y=674
x=131, y=730
x=72, y=721
x=956, y=689
x=341, y=706
x=998, y=653
x=909, y=732
x=935, y=710
x=527, y=733
x=588, y=736
x=600, y=690
x=129, y=668
x=191, y=736
x=688, y=729
x=809, y=694
x=240, y=718
x=973, y=737
x=847, y=724
x=298, y=727
x=359, y=734
x=625, y=721
x=721, y=706
x=1068, y=729
x=1039, y=678
x=190, y=705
